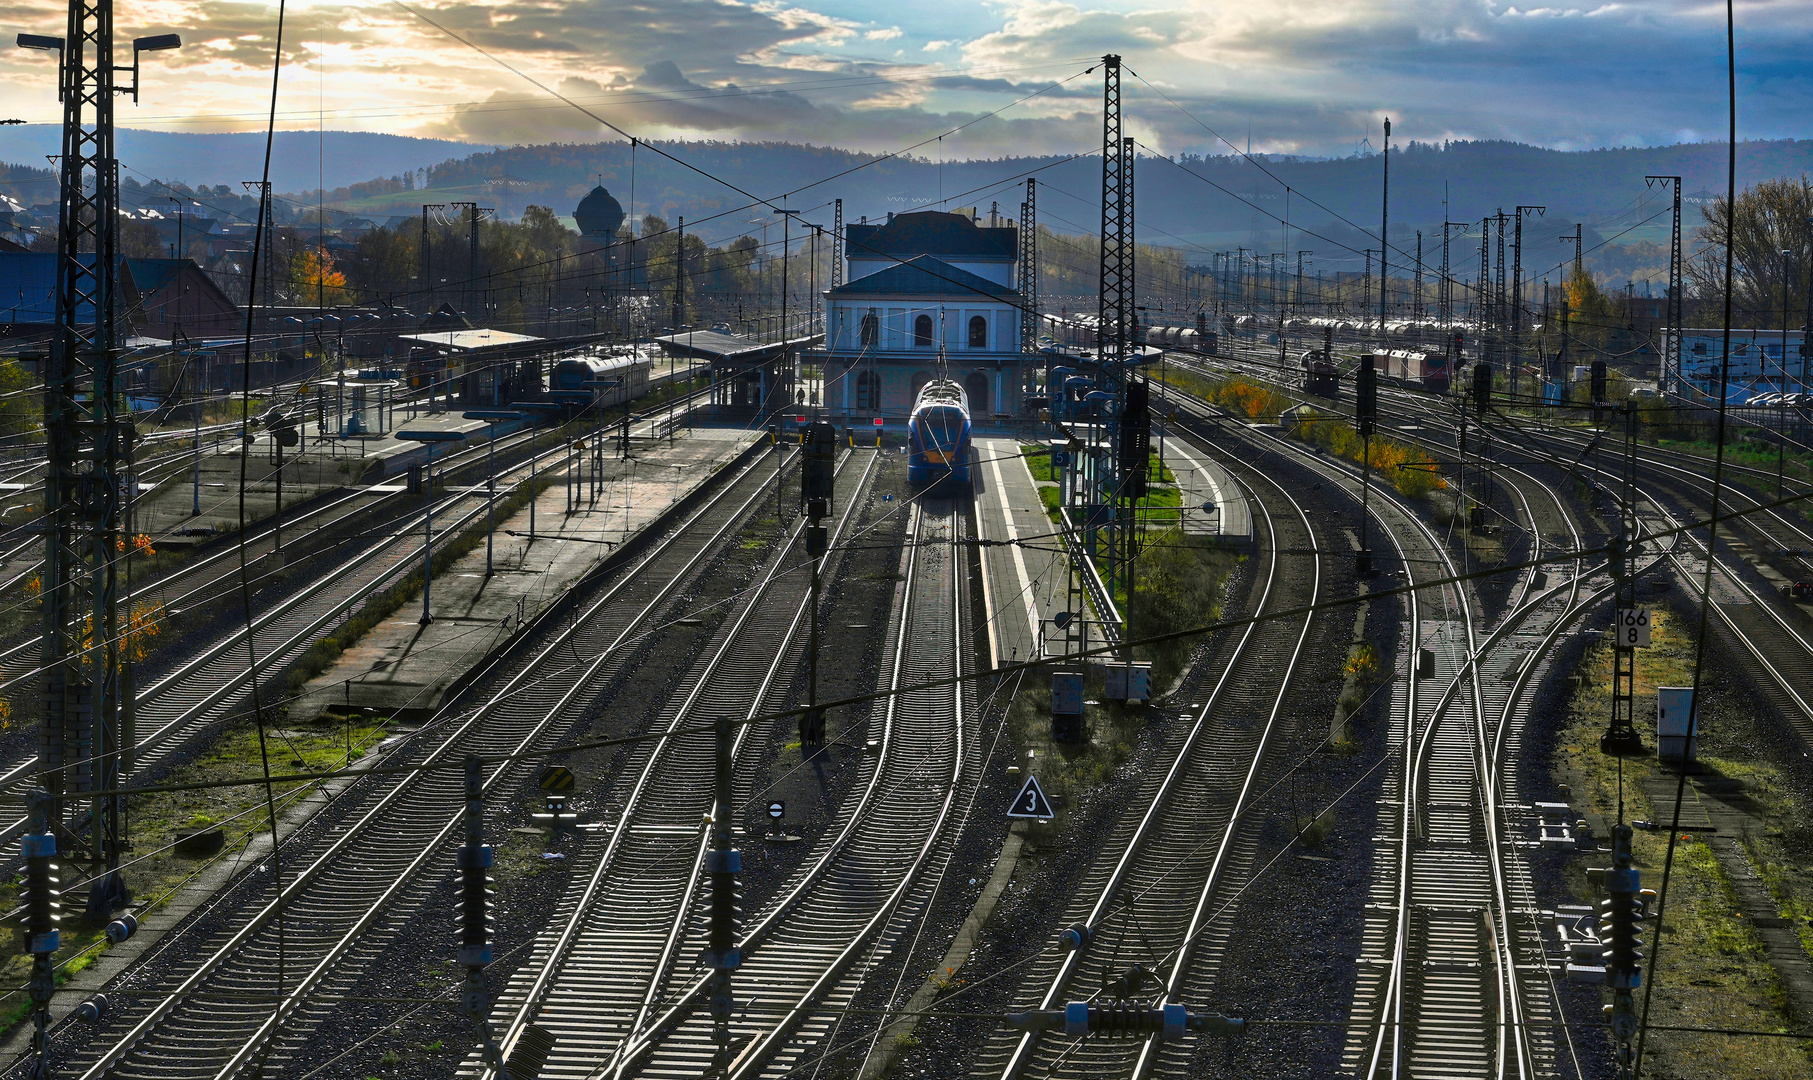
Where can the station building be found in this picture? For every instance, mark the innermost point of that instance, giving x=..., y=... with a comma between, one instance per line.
x=921, y=285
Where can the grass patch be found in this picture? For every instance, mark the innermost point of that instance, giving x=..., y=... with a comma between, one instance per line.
x=1180, y=580
x=1714, y=972
x=1414, y=473
x=154, y=820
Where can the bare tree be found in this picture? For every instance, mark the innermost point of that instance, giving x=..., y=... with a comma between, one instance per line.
x=1771, y=217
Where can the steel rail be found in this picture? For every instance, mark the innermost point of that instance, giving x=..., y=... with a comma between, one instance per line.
x=1151, y=820
x=388, y=820
x=893, y=817
x=552, y=958
x=1175, y=982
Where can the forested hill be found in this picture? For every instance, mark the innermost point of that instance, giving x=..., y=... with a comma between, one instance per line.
x=1190, y=201
x=1200, y=203
x=1480, y=177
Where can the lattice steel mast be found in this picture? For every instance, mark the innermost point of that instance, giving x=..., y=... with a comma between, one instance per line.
x=1114, y=296
x=1029, y=281
x=1517, y=316
x=1671, y=349
x=85, y=660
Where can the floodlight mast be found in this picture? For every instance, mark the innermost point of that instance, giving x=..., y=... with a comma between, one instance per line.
x=86, y=741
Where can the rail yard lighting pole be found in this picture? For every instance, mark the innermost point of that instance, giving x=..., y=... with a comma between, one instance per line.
x=1781, y=398
x=1384, y=223
x=197, y=376
x=786, y=354
x=1806, y=327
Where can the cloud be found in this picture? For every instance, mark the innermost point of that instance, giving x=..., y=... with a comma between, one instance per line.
x=1308, y=76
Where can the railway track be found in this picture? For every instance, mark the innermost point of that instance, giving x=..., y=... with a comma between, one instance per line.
x=596, y=974
x=806, y=954
x=214, y=683
x=1776, y=645
x=1152, y=897
x=1454, y=979
x=238, y=985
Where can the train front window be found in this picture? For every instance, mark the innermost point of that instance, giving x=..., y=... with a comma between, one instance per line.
x=943, y=424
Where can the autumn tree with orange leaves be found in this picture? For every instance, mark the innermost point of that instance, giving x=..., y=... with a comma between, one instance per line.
x=314, y=280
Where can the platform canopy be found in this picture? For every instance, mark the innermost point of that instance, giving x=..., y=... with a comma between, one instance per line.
x=469, y=340
x=732, y=349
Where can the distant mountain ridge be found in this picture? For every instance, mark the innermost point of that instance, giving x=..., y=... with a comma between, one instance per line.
x=1190, y=202
x=297, y=161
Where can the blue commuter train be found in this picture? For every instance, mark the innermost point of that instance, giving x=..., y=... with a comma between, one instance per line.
x=938, y=434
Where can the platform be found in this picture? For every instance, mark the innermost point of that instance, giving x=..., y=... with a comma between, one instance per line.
x=404, y=668
x=1024, y=579
x=1202, y=481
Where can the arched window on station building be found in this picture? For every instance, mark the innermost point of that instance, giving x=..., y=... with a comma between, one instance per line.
x=871, y=330
x=922, y=332
x=978, y=332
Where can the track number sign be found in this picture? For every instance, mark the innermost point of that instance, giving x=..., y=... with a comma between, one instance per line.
x=1632, y=628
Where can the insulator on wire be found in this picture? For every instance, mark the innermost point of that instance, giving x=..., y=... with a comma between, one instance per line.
x=41, y=894
x=92, y=1011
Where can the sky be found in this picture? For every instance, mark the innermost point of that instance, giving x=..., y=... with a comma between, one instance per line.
x=1310, y=77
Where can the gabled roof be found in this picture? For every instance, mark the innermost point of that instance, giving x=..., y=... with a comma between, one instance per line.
x=931, y=232
x=444, y=318
x=150, y=276
x=925, y=276
x=28, y=287
x=467, y=340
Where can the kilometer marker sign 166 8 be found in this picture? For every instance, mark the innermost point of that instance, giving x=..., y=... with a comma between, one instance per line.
x=1631, y=630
